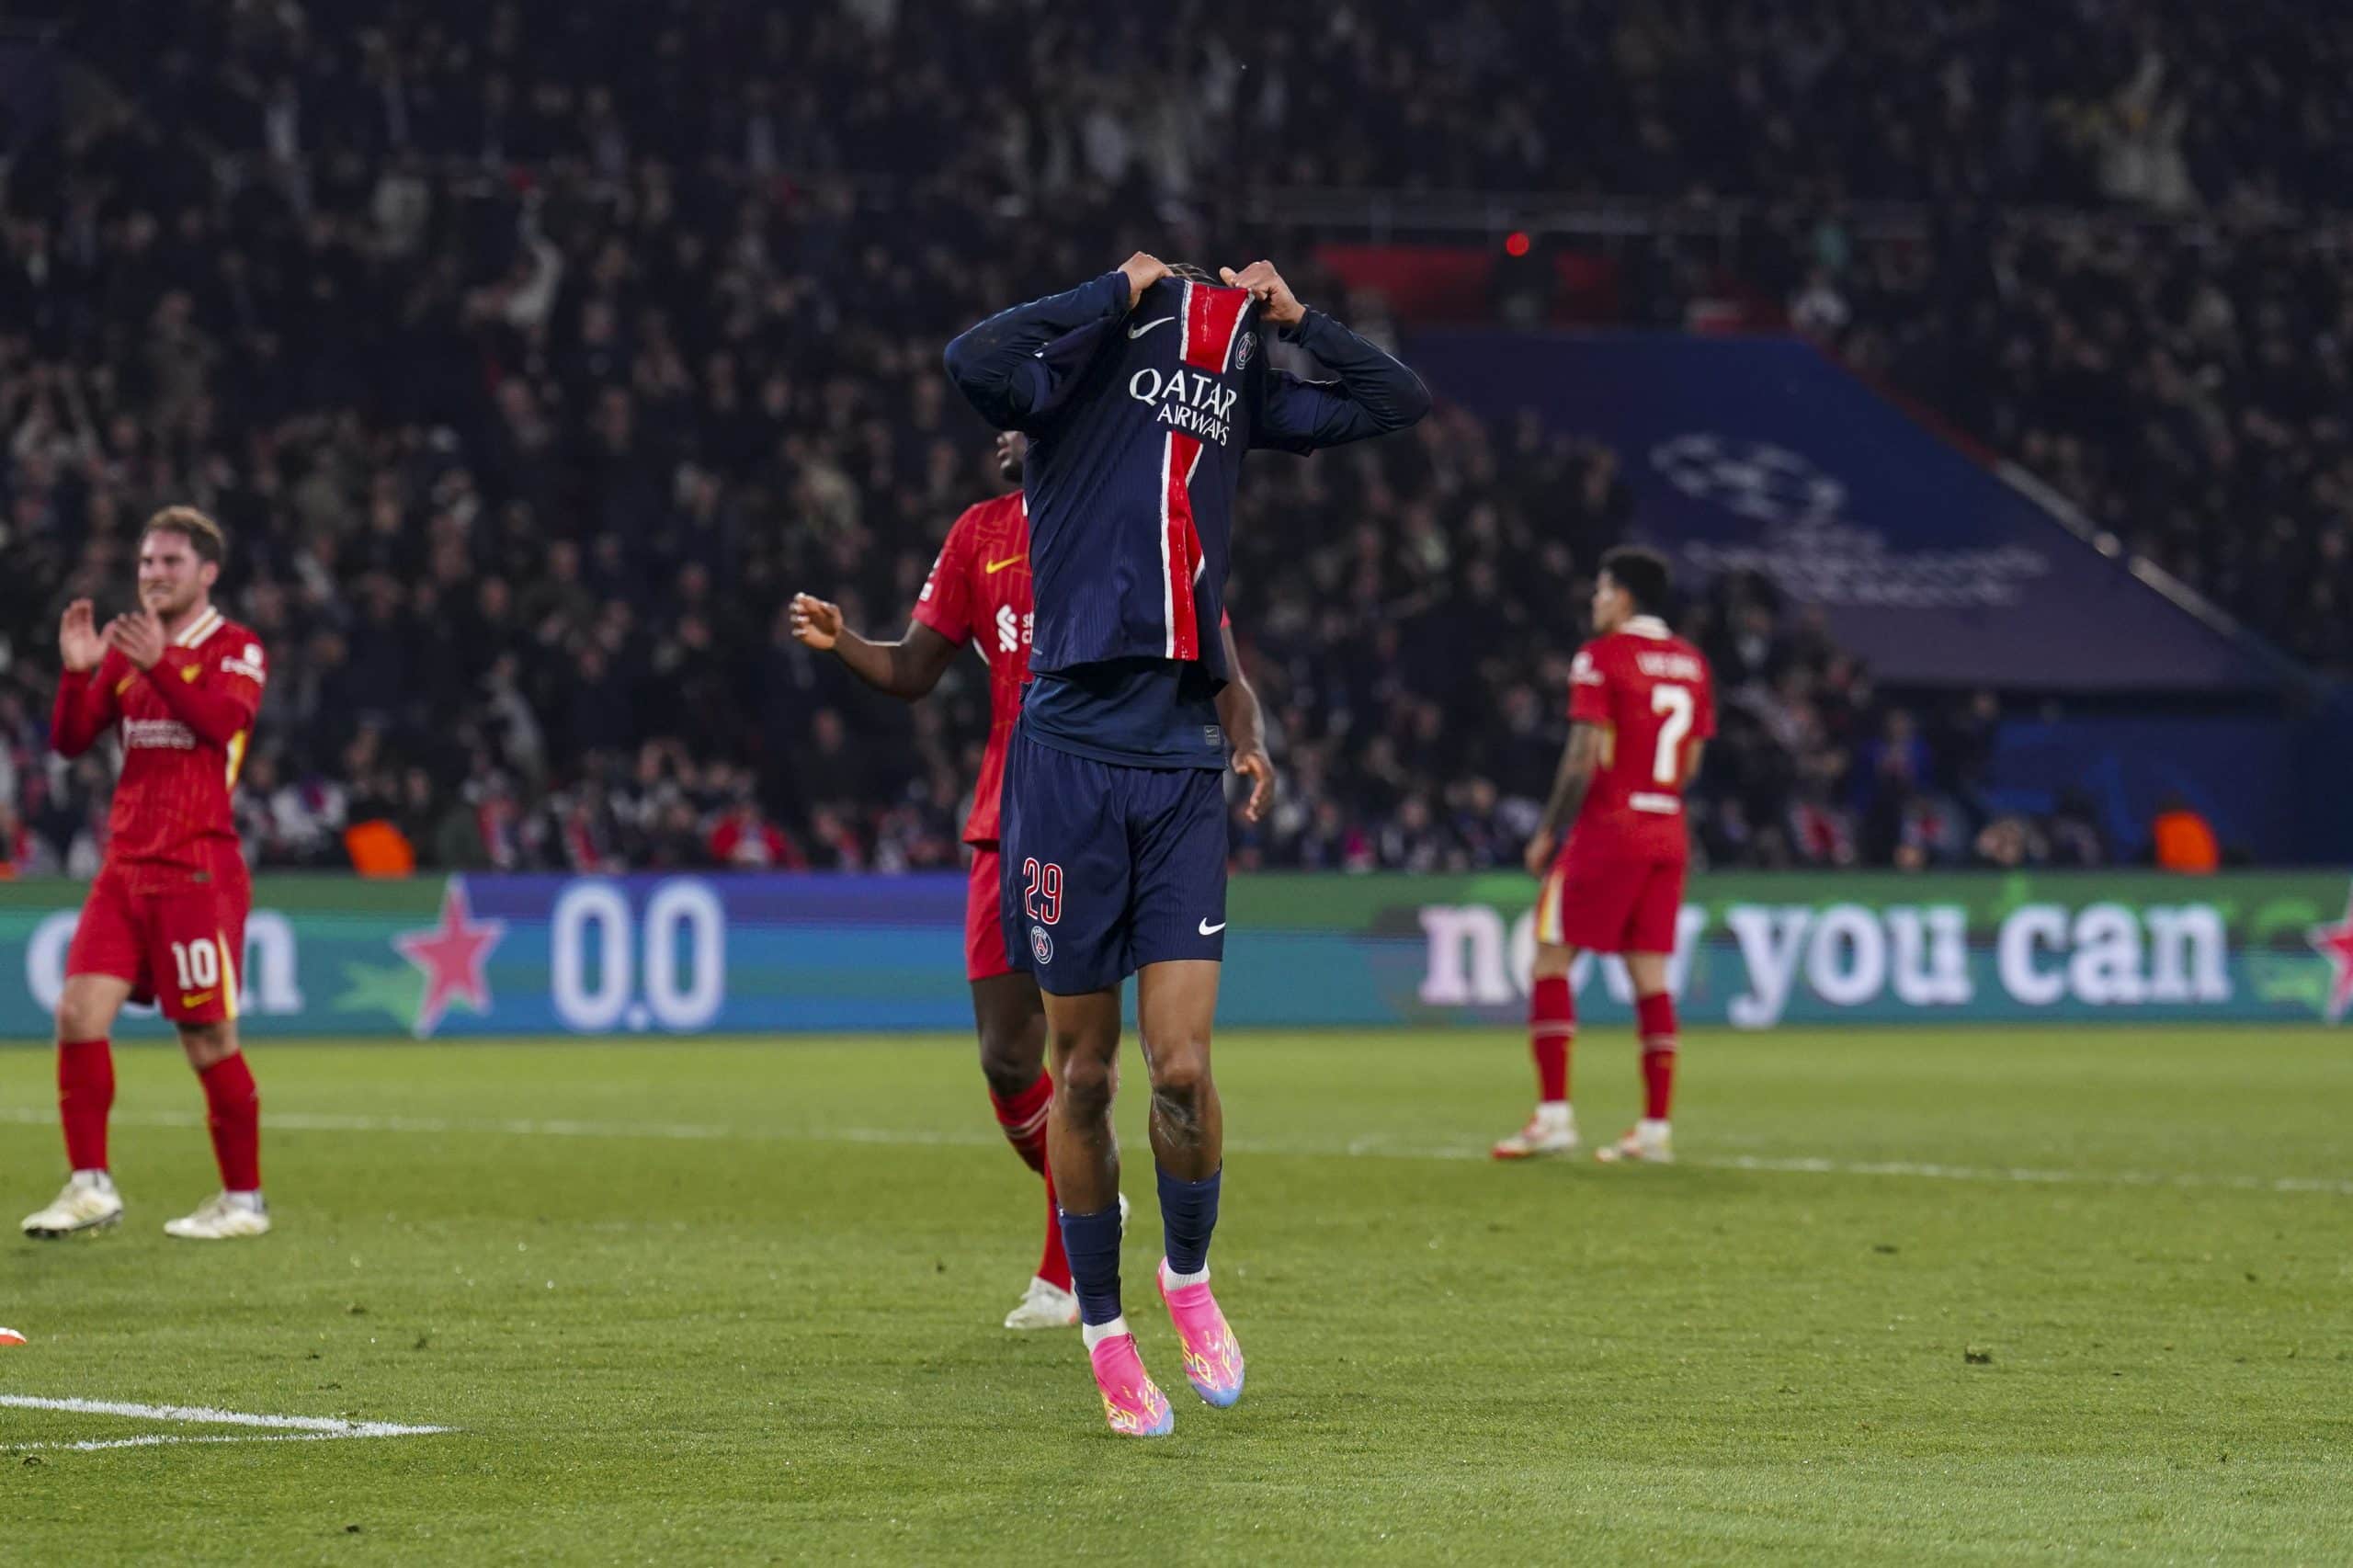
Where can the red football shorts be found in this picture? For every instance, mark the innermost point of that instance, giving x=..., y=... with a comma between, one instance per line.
x=181, y=944
x=1611, y=904
x=984, y=918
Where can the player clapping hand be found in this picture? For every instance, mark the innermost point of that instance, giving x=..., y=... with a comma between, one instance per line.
x=138, y=636
x=78, y=642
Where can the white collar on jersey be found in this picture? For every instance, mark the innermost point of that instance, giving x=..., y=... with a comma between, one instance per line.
x=202, y=627
x=1645, y=625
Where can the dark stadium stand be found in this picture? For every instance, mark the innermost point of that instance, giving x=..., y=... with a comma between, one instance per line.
x=532, y=362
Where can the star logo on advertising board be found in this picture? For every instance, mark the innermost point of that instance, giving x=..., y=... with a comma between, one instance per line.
x=451, y=957
x=2334, y=943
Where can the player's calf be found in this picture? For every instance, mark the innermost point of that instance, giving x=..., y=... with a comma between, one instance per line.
x=232, y=1117
x=1552, y=1032
x=1650, y=1140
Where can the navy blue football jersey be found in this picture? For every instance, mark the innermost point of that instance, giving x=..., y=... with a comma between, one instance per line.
x=1138, y=421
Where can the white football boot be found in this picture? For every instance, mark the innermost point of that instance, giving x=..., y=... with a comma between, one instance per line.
x=223, y=1217
x=1546, y=1133
x=87, y=1202
x=1044, y=1306
x=1645, y=1143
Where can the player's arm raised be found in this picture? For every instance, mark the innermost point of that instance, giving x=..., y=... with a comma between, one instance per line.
x=1015, y=365
x=907, y=669
x=1575, y=777
x=86, y=703
x=1246, y=729
x=1375, y=395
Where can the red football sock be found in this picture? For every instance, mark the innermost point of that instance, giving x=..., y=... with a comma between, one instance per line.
x=85, y=1095
x=1657, y=1018
x=1551, y=1027
x=235, y=1121
x=1053, y=1264
x=1023, y=1119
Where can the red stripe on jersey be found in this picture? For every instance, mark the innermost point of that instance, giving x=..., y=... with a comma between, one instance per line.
x=1210, y=316
x=1213, y=317
x=1180, y=546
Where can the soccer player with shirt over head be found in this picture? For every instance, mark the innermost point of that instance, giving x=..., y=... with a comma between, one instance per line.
x=1642, y=706
x=1141, y=392
x=165, y=919
x=978, y=593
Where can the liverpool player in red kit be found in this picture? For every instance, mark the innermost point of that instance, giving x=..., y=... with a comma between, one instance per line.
x=165, y=920
x=1641, y=709
x=978, y=593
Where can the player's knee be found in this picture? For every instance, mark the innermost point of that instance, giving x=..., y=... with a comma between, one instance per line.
x=1180, y=1074
x=207, y=1043
x=1552, y=963
x=1084, y=1086
x=82, y=1018
x=1180, y=1098
x=1012, y=1056
x=1003, y=1069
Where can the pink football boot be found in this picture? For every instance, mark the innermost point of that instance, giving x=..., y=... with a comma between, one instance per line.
x=1212, y=1356
x=1132, y=1402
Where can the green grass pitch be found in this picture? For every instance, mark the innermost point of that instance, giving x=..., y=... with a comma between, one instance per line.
x=1924, y=1297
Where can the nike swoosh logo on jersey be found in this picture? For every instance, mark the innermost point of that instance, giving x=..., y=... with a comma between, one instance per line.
x=1210, y=930
x=1136, y=332
x=994, y=567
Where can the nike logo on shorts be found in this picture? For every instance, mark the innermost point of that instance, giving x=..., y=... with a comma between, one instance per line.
x=1210, y=930
x=1136, y=332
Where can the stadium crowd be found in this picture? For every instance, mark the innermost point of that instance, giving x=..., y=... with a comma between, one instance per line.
x=534, y=355
x=2190, y=390
x=2167, y=105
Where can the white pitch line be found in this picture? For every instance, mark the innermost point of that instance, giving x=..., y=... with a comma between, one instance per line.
x=169, y=1440
x=1365, y=1148
x=205, y=1416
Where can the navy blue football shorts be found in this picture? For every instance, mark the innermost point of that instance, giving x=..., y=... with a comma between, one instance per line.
x=1108, y=868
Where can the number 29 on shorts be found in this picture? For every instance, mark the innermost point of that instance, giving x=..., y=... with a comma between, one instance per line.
x=1041, y=900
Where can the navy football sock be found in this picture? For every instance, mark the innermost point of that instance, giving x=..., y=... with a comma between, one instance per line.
x=1092, y=1242
x=1187, y=1216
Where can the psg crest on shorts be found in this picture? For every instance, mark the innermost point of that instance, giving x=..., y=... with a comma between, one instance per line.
x=1041, y=946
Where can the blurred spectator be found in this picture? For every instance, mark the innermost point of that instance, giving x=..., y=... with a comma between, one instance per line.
x=745, y=840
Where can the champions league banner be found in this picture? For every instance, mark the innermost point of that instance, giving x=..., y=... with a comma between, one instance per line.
x=332, y=957
x=1762, y=454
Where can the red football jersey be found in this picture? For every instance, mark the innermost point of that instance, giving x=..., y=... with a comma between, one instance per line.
x=979, y=593
x=1652, y=692
x=184, y=725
